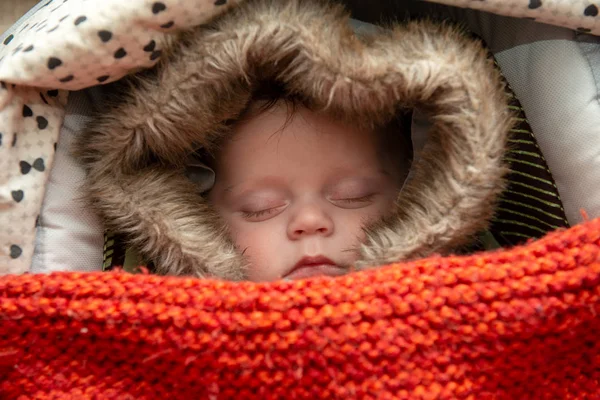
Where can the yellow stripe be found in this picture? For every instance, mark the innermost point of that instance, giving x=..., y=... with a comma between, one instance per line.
x=517, y=203
x=516, y=234
x=548, y=203
x=507, y=221
x=514, y=160
x=533, y=177
x=522, y=141
x=525, y=153
x=534, y=188
x=520, y=130
x=527, y=216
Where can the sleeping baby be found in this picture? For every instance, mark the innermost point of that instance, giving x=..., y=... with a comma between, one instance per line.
x=300, y=120
x=296, y=188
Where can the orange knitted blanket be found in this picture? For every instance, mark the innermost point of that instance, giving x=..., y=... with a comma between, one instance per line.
x=514, y=324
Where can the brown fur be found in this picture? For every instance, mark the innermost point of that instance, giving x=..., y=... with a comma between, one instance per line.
x=133, y=152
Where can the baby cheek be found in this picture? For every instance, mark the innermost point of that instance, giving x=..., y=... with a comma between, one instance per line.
x=261, y=248
x=350, y=227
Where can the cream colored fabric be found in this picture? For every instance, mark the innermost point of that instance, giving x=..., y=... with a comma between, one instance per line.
x=581, y=15
x=67, y=46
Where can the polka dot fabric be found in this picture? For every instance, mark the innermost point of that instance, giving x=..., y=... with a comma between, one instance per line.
x=30, y=120
x=63, y=46
x=76, y=44
x=581, y=15
x=517, y=324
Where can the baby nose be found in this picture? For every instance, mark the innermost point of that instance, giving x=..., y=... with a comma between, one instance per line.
x=310, y=220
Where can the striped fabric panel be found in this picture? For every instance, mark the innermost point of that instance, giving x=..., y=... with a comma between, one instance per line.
x=530, y=206
x=118, y=255
x=109, y=251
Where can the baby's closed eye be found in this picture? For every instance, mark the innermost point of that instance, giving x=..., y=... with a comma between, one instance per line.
x=355, y=199
x=259, y=214
x=262, y=206
x=352, y=193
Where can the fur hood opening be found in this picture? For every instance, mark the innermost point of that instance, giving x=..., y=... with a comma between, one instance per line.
x=133, y=153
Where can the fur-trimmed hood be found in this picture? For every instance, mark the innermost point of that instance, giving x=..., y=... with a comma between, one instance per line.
x=134, y=151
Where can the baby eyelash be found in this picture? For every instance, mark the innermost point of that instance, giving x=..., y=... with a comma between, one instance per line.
x=359, y=199
x=256, y=214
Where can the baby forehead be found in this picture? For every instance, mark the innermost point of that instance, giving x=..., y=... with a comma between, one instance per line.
x=297, y=127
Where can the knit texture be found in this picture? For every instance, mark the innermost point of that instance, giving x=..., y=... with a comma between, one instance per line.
x=513, y=324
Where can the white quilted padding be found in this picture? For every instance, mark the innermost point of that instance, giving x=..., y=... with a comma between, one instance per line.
x=69, y=236
x=555, y=73
x=561, y=100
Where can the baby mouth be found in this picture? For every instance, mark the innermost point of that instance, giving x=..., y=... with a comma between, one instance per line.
x=315, y=266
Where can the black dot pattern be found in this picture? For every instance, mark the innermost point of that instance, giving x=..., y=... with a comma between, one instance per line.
x=120, y=53
x=42, y=122
x=168, y=25
x=591, y=10
x=533, y=4
x=220, y=2
x=79, y=20
x=54, y=62
x=105, y=36
x=39, y=165
x=150, y=46
x=27, y=111
x=8, y=39
x=28, y=48
x=102, y=78
x=52, y=93
x=15, y=251
x=158, y=7
x=25, y=167
x=17, y=195
x=67, y=78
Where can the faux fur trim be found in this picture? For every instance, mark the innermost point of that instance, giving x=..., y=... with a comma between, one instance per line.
x=134, y=151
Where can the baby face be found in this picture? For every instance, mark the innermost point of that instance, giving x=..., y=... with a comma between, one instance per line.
x=295, y=196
